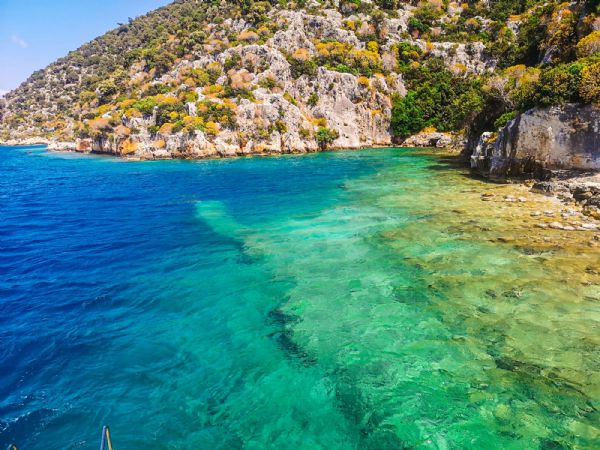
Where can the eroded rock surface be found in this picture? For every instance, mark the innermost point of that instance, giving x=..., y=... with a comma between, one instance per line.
x=542, y=140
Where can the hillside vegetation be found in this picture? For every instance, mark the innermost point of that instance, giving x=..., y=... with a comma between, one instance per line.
x=203, y=76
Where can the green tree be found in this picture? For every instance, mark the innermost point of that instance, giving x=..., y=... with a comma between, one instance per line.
x=407, y=116
x=325, y=137
x=106, y=89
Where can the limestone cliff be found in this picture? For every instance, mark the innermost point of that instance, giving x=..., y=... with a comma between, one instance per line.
x=297, y=79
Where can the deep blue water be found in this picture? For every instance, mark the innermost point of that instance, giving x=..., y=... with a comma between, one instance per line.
x=110, y=288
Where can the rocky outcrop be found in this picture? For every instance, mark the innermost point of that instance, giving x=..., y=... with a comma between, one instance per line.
x=435, y=139
x=26, y=142
x=462, y=58
x=540, y=140
x=568, y=185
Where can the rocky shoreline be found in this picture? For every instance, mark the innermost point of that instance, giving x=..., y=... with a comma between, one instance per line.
x=579, y=191
x=85, y=146
x=426, y=139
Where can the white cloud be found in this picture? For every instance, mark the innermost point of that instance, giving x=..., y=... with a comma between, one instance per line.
x=16, y=39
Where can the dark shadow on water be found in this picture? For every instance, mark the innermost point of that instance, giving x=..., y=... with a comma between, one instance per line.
x=456, y=162
x=447, y=162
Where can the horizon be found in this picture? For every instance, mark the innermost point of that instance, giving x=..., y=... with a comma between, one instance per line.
x=26, y=45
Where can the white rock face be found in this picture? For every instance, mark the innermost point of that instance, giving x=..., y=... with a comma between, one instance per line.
x=27, y=142
x=281, y=120
x=282, y=114
x=471, y=56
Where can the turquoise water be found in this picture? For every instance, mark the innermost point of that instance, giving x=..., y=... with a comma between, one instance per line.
x=348, y=300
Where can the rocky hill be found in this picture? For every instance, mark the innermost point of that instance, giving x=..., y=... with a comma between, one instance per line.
x=201, y=78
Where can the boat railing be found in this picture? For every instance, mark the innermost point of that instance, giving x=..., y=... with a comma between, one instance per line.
x=105, y=442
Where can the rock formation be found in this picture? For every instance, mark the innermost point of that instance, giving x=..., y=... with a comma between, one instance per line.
x=542, y=140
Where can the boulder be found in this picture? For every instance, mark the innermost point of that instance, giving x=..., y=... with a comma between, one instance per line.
x=542, y=139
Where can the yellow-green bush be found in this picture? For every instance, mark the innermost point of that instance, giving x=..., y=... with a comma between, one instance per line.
x=589, y=45
x=346, y=58
x=589, y=87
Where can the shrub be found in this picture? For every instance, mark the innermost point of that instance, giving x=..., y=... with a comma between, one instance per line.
x=188, y=96
x=445, y=101
x=158, y=88
x=215, y=112
x=304, y=133
x=159, y=59
x=211, y=128
x=87, y=96
x=281, y=126
x=232, y=62
x=230, y=92
x=268, y=82
x=589, y=88
x=301, y=67
x=169, y=109
x=290, y=98
x=214, y=89
x=533, y=31
x=145, y=106
x=313, y=99
x=132, y=113
x=248, y=35
x=99, y=125
x=345, y=58
x=364, y=82
x=166, y=129
x=107, y=89
x=342, y=68
x=200, y=77
x=472, y=25
x=325, y=137
x=522, y=85
x=557, y=85
x=589, y=45
x=373, y=46
x=415, y=24
x=191, y=123
x=504, y=119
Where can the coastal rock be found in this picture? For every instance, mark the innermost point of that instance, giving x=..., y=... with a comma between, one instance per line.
x=26, y=142
x=434, y=139
x=566, y=137
x=62, y=146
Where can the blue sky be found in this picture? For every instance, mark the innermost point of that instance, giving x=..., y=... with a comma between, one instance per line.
x=33, y=33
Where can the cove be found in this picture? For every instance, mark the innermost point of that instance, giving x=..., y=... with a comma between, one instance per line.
x=343, y=300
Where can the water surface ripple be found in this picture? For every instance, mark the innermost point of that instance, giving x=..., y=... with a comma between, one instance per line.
x=351, y=300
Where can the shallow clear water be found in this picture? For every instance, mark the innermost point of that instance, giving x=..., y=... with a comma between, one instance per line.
x=351, y=300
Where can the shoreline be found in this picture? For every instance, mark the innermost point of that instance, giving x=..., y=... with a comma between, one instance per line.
x=70, y=147
x=572, y=188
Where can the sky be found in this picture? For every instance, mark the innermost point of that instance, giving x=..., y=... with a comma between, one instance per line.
x=34, y=33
